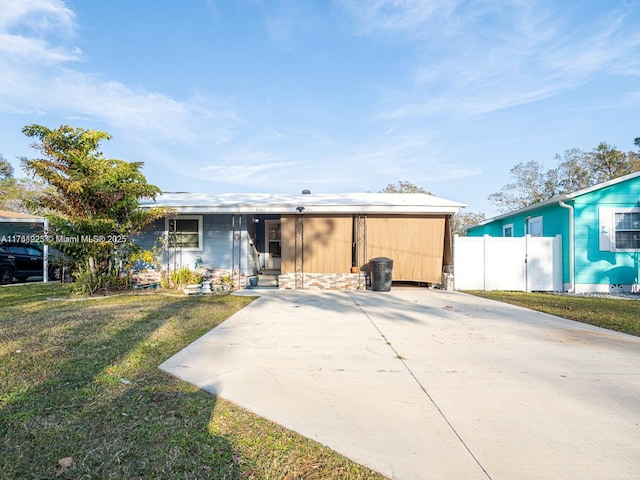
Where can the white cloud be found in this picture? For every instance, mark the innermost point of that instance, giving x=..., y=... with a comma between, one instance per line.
x=255, y=175
x=38, y=15
x=332, y=166
x=281, y=31
x=371, y=17
x=35, y=49
x=38, y=79
x=472, y=58
x=286, y=21
x=34, y=19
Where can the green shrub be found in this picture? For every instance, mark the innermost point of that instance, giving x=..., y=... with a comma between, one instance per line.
x=91, y=278
x=182, y=277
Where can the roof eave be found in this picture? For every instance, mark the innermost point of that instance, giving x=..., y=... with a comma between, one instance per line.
x=310, y=209
x=312, y=204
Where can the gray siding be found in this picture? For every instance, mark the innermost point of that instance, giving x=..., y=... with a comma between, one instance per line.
x=217, y=251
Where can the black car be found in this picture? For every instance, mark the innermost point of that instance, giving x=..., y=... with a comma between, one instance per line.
x=24, y=260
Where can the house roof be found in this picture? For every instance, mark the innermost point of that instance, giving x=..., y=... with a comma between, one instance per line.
x=265, y=203
x=7, y=216
x=559, y=198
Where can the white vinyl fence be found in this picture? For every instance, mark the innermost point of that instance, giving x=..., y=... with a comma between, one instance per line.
x=524, y=264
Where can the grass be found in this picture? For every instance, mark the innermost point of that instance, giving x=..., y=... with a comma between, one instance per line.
x=614, y=314
x=81, y=396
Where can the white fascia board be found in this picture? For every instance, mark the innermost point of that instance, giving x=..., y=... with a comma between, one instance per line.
x=599, y=186
x=313, y=204
x=317, y=210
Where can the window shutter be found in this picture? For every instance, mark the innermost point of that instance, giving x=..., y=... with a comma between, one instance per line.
x=605, y=229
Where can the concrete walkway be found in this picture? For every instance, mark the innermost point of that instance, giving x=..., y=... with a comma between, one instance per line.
x=428, y=384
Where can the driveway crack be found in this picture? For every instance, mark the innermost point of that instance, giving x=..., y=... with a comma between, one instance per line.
x=422, y=387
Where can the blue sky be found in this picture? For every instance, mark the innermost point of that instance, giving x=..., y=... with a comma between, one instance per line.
x=333, y=96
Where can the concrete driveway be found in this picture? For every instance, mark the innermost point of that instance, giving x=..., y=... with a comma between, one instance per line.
x=429, y=384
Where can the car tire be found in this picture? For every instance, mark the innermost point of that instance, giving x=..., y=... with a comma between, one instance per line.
x=55, y=273
x=6, y=274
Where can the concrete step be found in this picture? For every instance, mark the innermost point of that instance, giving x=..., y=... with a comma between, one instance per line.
x=267, y=280
x=270, y=271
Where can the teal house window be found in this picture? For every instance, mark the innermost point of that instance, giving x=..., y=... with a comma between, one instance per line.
x=627, y=230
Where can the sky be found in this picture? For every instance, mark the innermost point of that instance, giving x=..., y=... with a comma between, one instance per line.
x=334, y=96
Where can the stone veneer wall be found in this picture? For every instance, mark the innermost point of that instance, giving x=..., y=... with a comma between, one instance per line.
x=215, y=276
x=324, y=281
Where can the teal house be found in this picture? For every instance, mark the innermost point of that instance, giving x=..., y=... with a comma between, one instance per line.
x=600, y=229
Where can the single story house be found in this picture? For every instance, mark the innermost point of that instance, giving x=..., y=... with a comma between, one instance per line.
x=600, y=228
x=309, y=240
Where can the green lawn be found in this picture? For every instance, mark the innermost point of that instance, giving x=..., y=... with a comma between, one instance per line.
x=614, y=314
x=79, y=386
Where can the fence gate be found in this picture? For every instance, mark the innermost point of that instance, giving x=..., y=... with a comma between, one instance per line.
x=524, y=264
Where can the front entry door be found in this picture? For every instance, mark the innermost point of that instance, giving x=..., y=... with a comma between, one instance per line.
x=272, y=236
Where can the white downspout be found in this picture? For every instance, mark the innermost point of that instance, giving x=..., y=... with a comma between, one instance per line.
x=572, y=286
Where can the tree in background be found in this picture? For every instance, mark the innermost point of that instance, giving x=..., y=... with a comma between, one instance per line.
x=92, y=202
x=576, y=170
x=462, y=220
x=6, y=170
x=606, y=163
x=403, y=186
x=6, y=183
x=572, y=172
x=16, y=194
x=459, y=221
x=531, y=185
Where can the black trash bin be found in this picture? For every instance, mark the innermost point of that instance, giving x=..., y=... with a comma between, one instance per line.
x=381, y=274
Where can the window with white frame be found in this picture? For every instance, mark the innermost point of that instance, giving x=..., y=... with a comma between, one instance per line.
x=627, y=230
x=535, y=226
x=185, y=232
x=507, y=230
x=619, y=229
